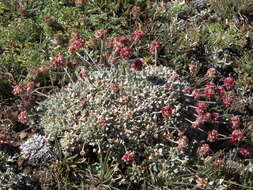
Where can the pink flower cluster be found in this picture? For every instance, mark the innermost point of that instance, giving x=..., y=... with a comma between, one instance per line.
x=203, y=150
x=76, y=42
x=137, y=65
x=201, y=108
x=128, y=157
x=236, y=136
x=155, y=47
x=201, y=183
x=209, y=92
x=126, y=52
x=166, y=111
x=119, y=42
x=58, y=60
x=138, y=35
x=23, y=117
x=18, y=89
x=229, y=83
x=236, y=122
x=213, y=135
x=244, y=151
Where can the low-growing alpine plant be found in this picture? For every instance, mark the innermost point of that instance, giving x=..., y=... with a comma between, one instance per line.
x=110, y=110
x=116, y=108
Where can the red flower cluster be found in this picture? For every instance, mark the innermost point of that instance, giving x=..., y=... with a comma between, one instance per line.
x=204, y=149
x=128, y=157
x=201, y=183
x=137, y=65
x=215, y=116
x=18, y=89
x=244, y=151
x=218, y=162
x=58, y=60
x=236, y=136
x=138, y=35
x=155, y=47
x=201, y=108
x=209, y=92
x=221, y=91
x=211, y=85
x=236, y=122
x=72, y=64
x=23, y=117
x=104, y=122
x=121, y=39
x=126, y=52
x=196, y=93
x=212, y=135
x=76, y=43
x=227, y=100
x=166, y=111
x=229, y=83
x=187, y=90
x=119, y=45
x=193, y=68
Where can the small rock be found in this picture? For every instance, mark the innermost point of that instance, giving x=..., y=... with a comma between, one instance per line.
x=36, y=150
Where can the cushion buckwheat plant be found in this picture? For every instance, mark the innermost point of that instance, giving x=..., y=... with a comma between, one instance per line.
x=125, y=114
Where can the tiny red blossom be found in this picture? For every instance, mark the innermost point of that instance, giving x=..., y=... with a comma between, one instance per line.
x=128, y=157
x=174, y=76
x=137, y=65
x=124, y=100
x=212, y=135
x=117, y=46
x=203, y=150
x=126, y=52
x=221, y=91
x=201, y=183
x=23, y=117
x=196, y=93
x=236, y=122
x=187, y=90
x=211, y=85
x=18, y=89
x=218, y=162
x=193, y=68
x=166, y=111
x=104, y=122
x=76, y=42
x=121, y=39
x=209, y=92
x=72, y=64
x=244, y=151
x=236, y=136
x=58, y=60
x=84, y=72
x=201, y=108
x=215, y=116
x=155, y=47
x=138, y=35
x=229, y=82
x=227, y=100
